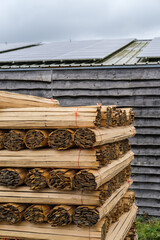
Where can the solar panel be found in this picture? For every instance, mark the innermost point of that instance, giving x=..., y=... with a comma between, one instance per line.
x=152, y=50
x=70, y=50
x=13, y=46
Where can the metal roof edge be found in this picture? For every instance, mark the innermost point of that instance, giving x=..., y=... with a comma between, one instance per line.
x=84, y=68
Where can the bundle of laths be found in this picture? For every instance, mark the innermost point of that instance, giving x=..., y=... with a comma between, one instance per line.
x=64, y=168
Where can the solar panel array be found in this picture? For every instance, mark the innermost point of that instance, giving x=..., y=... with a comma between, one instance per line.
x=13, y=46
x=70, y=50
x=152, y=50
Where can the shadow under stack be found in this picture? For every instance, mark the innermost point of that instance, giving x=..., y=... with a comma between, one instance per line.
x=65, y=171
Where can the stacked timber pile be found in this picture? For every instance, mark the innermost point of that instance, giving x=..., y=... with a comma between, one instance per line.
x=65, y=171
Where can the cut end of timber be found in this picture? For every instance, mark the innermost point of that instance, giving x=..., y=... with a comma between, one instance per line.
x=37, y=213
x=61, y=139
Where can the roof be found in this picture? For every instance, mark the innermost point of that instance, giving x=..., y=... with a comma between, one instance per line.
x=8, y=47
x=124, y=53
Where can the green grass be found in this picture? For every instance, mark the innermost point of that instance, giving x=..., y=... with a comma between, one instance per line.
x=148, y=228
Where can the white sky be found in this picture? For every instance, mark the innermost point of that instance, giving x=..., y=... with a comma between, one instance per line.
x=51, y=20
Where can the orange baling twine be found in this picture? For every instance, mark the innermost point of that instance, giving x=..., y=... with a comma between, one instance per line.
x=99, y=104
x=130, y=181
x=76, y=116
x=79, y=157
x=81, y=197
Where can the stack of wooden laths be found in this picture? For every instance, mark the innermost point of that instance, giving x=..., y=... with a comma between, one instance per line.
x=65, y=171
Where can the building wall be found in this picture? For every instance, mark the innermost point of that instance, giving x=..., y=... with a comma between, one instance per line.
x=138, y=88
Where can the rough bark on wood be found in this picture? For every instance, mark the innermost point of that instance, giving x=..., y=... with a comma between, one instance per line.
x=117, y=211
x=60, y=215
x=86, y=216
x=14, y=140
x=124, y=205
x=90, y=180
x=36, y=139
x=119, y=116
x=37, y=178
x=126, y=173
x=128, y=200
x=12, y=213
x=88, y=138
x=2, y=133
x=61, y=179
x=90, y=215
x=12, y=177
x=37, y=213
x=106, y=191
x=61, y=139
x=119, y=229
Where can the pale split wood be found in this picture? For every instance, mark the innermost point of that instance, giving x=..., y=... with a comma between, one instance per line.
x=64, y=179
x=93, y=179
x=72, y=232
x=119, y=230
x=71, y=229
x=49, y=158
x=90, y=215
x=101, y=136
x=132, y=234
x=59, y=117
x=54, y=111
x=49, y=196
x=104, y=174
x=113, y=199
x=113, y=134
x=16, y=100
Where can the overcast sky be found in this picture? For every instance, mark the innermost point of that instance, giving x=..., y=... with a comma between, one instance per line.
x=52, y=20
